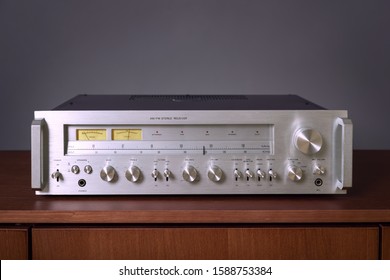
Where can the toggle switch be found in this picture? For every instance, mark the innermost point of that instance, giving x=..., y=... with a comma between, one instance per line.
x=155, y=174
x=260, y=174
x=57, y=175
x=237, y=174
x=272, y=175
x=249, y=174
x=167, y=174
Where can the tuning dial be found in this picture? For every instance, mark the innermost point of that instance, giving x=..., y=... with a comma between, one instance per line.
x=190, y=173
x=295, y=173
x=133, y=173
x=308, y=141
x=215, y=173
x=107, y=173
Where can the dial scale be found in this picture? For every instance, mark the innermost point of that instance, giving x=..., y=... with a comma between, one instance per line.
x=133, y=145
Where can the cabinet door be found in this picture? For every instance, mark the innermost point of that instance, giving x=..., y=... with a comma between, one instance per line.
x=13, y=243
x=386, y=242
x=206, y=243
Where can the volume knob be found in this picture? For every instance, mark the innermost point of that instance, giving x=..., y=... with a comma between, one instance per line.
x=308, y=141
x=190, y=174
x=133, y=173
x=295, y=173
x=108, y=173
x=215, y=173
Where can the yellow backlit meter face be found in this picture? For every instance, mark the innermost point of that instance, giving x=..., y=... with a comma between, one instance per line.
x=91, y=134
x=127, y=134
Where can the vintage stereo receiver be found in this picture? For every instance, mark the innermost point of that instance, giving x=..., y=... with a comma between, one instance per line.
x=191, y=144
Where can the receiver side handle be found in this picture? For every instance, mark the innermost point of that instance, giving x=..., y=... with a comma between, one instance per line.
x=37, y=154
x=344, y=179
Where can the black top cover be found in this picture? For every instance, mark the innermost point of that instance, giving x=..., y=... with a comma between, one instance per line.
x=188, y=102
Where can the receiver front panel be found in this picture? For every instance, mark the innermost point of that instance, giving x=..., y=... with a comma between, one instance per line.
x=192, y=152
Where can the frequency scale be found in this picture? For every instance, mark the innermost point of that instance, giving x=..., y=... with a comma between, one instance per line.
x=132, y=145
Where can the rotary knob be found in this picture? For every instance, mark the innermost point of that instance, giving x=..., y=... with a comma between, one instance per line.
x=215, y=173
x=308, y=141
x=75, y=169
x=295, y=173
x=88, y=169
x=190, y=173
x=133, y=173
x=319, y=170
x=108, y=173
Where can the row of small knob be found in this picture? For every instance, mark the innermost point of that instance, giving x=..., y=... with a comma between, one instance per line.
x=76, y=169
x=190, y=174
x=133, y=173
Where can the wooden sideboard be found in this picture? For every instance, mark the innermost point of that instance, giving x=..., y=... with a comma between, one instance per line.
x=352, y=226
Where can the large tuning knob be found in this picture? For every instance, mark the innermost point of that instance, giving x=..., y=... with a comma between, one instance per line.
x=215, y=173
x=133, y=173
x=308, y=141
x=190, y=173
x=107, y=173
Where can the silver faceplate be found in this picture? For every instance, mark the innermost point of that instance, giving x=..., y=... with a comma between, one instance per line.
x=238, y=143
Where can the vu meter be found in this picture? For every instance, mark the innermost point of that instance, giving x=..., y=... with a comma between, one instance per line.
x=127, y=134
x=91, y=134
x=191, y=145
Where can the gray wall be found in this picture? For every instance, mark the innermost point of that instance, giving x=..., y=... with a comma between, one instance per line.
x=335, y=53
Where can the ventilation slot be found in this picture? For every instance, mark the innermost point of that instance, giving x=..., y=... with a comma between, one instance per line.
x=187, y=98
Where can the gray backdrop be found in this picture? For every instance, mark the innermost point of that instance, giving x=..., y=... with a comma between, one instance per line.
x=335, y=53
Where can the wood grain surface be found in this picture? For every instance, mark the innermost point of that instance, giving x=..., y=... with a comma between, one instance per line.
x=13, y=243
x=386, y=242
x=206, y=243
